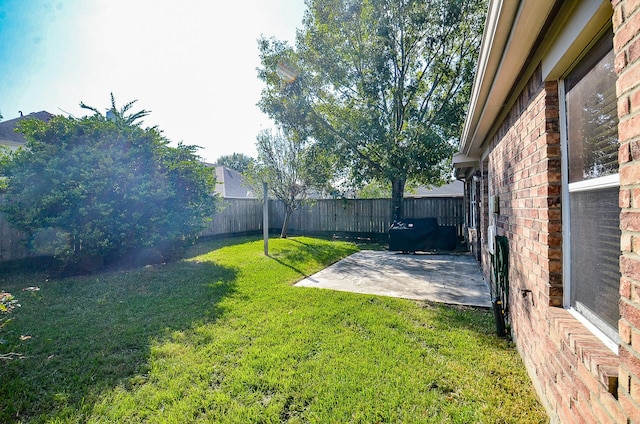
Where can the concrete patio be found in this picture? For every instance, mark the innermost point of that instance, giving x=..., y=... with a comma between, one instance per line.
x=445, y=278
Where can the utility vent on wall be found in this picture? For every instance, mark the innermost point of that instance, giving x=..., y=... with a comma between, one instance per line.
x=491, y=236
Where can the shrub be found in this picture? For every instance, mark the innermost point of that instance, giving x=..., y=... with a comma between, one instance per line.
x=101, y=187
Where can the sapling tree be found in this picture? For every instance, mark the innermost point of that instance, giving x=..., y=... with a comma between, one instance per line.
x=290, y=169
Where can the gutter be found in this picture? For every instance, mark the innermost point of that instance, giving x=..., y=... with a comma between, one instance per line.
x=511, y=32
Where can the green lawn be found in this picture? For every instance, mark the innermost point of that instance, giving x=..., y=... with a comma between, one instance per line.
x=224, y=337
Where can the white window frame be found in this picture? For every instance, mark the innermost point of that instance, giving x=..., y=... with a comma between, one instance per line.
x=610, y=338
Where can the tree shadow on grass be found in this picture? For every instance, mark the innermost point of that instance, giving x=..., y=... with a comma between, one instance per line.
x=293, y=268
x=208, y=243
x=85, y=335
x=325, y=254
x=322, y=253
x=475, y=320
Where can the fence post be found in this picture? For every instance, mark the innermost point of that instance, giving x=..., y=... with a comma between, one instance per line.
x=265, y=219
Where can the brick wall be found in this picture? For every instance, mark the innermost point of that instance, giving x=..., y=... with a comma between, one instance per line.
x=524, y=171
x=626, y=27
x=578, y=378
x=575, y=374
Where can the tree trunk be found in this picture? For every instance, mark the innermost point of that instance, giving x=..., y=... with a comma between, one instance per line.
x=285, y=224
x=397, y=195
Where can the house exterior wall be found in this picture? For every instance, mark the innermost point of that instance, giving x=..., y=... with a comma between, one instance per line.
x=523, y=169
x=578, y=378
x=626, y=44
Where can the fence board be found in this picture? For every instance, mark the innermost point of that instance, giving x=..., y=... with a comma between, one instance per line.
x=370, y=216
x=236, y=216
x=366, y=215
x=12, y=242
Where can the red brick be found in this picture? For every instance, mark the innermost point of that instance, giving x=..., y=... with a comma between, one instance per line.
x=634, y=102
x=624, y=153
x=634, y=390
x=631, y=6
x=635, y=292
x=624, y=381
x=525, y=172
x=629, y=265
x=586, y=414
x=613, y=408
x=628, y=79
x=634, y=147
x=634, y=50
x=629, y=359
x=588, y=379
x=624, y=199
x=601, y=414
x=635, y=339
x=630, y=408
x=596, y=356
x=625, y=331
x=627, y=31
x=635, y=198
x=620, y=63
x=629, y=221
x=626, y=243
x=630, y=312
x=625, y=288
x=581, y=388
x=618, y=18
x=635, y=244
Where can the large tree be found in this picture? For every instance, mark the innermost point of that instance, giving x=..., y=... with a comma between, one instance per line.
x=104, y=186
x=380, y=84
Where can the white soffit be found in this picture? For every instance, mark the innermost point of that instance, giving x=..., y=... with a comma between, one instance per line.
x=510, y=32
x=575, y=34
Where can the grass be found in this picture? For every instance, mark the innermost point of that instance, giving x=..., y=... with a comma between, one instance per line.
x=224, y=337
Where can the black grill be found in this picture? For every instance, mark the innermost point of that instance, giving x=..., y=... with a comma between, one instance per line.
x=421, y=234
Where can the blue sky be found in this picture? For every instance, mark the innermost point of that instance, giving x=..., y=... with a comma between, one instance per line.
x=192, y=63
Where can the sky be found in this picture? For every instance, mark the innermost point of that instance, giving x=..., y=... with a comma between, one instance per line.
x=191, y=63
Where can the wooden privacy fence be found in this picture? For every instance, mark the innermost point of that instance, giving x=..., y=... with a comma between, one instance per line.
x=358, y=216
x=12, y=242
x=236, y=216
x=368, y=216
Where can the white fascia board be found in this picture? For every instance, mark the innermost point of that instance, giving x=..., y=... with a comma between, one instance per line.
x=510, y=33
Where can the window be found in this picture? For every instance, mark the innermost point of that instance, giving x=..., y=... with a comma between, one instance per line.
x=592, y=212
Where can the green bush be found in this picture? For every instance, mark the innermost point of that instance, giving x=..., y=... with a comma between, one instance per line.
x=96, y=187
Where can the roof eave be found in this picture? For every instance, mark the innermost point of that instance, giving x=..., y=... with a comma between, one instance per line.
x=511, y=30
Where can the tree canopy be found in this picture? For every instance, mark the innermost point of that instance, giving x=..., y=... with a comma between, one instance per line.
x=237, y=161
x=380, y=86
x=104, y=186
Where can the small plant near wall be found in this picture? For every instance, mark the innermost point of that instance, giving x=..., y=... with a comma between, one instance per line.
x=7, y=304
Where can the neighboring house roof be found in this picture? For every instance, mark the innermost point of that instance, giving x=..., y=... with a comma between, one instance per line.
x=453, y=189
x=12, y=139
x=230, y=184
